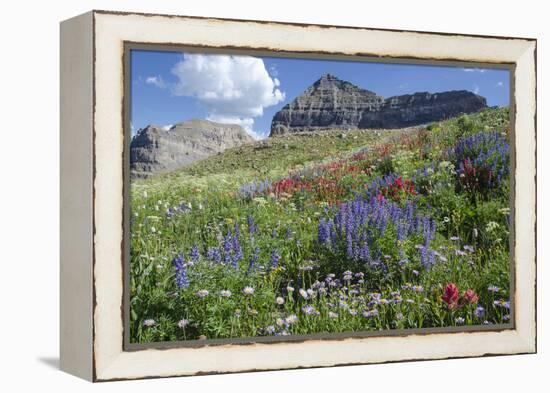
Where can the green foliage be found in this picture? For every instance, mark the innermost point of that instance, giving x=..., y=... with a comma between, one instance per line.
x=466, y=125
x=385, y=165
x=203, y=206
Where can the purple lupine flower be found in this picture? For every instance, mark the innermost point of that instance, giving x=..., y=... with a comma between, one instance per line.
x=251, y=226
x=427, y=257
x=214, y=254
x=237, y=251
x=195, y=255
x=274, y=259
x=228, y=247
x=181, y=208
x=401, y=231
x=253, y=189
x=349, y=242
x=182, y=280
x=254, y=259
x=356, y=225
x=431, y=258
x=364, y=254
x=323, y=232
x=487, y=152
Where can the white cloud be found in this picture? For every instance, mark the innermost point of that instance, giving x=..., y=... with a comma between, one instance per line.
x=480, y=70
x=476, y=89
x=499, y=84
x=156, y=81
x=273, y=71
x=244, y=122
x=233, y=89
x=167, y=127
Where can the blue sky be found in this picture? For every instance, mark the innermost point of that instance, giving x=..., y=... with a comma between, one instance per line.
x=170, y=87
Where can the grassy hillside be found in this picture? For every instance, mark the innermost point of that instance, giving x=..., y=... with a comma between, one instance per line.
x=326, y=232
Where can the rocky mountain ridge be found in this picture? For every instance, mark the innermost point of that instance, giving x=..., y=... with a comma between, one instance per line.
x=155, y=149
x=334, y=103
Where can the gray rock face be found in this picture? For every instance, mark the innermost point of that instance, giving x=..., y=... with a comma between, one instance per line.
x=155, y=150
x=333, y=103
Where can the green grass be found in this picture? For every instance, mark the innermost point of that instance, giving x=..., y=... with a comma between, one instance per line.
x=324, y=170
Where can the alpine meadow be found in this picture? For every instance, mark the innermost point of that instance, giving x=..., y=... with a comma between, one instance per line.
x=354, y=212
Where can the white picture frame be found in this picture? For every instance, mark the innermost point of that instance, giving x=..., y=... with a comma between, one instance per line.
x=93, y=191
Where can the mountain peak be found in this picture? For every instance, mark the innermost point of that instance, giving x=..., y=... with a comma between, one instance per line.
x=331, y=83
x=328, y=77
x=333, y=103
x=327, y=80
x=154, y=149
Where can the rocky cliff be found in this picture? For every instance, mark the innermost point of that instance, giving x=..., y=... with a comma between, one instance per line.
x=154, y=149
x=333, y=103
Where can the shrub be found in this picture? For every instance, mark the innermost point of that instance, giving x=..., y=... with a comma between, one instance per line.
x=466, y=125
x=385, y=165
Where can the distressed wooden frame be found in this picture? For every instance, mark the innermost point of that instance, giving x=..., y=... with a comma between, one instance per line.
x=93, y=191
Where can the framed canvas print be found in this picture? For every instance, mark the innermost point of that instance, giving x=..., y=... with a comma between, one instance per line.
x=246, y=195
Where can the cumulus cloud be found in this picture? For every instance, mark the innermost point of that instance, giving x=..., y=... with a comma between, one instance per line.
x=233, y=89
x=167, y=127
x=245, y=122
x=476, y=89
x=156, y=81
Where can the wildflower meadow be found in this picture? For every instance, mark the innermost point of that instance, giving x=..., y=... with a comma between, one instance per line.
x=340, y=231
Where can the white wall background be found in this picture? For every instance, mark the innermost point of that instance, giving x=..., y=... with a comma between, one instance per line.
x=30, y=181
